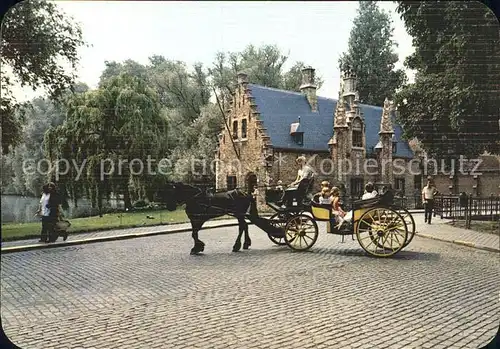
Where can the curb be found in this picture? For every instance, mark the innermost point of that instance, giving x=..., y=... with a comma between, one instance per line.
x=460, y=242
x=23, y=248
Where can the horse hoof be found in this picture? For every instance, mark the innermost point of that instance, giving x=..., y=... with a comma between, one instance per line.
x=245, y=247
x=194, y=252
x=235, y=250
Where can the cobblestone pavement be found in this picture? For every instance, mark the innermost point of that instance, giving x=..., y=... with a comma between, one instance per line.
x=118, y=232
x=150, y=293
x=440, y=229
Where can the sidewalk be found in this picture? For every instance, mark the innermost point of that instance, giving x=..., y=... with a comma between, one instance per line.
x=438, y=230
x=110, y=235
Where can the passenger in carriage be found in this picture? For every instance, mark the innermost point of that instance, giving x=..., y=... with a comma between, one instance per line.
x=324, y=184
x=337, y=211
x=370, y=193
x=326, y=197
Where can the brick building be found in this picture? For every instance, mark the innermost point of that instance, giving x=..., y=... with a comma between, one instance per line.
x=346, y=143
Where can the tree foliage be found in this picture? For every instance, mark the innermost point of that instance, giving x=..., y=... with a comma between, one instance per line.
x=371, y=55
x=40, y=115
x=37, y=41
x=263, y=65
x=119, y=121
x=127, y=116
x=453, y=106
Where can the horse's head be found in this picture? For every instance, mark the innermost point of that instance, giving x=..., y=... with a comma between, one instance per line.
x=177, y=193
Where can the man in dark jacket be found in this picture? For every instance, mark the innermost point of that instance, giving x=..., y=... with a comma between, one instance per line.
x=54, y=213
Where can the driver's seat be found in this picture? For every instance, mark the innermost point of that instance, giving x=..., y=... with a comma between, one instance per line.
x=305, y=187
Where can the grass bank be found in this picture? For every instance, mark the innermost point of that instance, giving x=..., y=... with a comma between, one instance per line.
x=19, y=231
x=491, y=227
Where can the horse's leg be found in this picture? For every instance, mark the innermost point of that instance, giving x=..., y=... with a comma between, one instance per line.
x=237, y=243
x=199, y=246
x=247, y=242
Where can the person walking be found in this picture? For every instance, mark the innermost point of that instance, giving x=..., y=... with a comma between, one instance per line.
x=428, y=193
x=43, y=212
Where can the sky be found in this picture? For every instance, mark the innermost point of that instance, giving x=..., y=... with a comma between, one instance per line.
x=316, y=33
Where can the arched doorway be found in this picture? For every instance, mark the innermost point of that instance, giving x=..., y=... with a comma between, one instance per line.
x=251, y=182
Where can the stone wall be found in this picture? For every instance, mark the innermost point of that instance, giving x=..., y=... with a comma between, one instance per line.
x=251, y=148
x=285, y=168
x=486, y=184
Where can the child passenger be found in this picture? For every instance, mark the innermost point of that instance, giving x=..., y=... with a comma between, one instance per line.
x=336, y=209
x=325, y=197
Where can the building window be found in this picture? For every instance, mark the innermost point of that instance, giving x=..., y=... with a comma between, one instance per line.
x=400, y=185
x=298, y=138
x=357, y=138
x=357, y=187
x=244, y=128
x=255, y=133
x=394, y=147
x=417, y=182
x=235, y=129
x=223, y=139
x=231, y=182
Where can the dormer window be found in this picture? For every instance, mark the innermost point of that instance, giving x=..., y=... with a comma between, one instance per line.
x=298, y=138
x=244, y=128
x=235, y=129
x=297, y=133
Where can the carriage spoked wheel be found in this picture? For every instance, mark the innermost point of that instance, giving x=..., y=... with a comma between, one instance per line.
x=278, y=220
x=410, y=224
x=382, y=232
x=301, y=232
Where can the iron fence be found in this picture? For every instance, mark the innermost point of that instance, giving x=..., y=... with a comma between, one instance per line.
x=467, y=207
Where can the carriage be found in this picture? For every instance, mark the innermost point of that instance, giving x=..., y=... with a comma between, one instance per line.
x=381, y=227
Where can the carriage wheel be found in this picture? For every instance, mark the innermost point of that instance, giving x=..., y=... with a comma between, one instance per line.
x=278, y=220
x=410, y=224
x=301, y=232
x=382, y=232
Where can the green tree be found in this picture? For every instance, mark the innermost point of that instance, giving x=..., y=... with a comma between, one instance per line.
x=119, y=121
x=40, y=114
x=263, y=65
x=371, y=55
x=37, y=40
x=453, y=106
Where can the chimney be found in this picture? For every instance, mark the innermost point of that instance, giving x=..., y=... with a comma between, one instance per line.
x=349, y=83
x=242, y=78
x=309, y=88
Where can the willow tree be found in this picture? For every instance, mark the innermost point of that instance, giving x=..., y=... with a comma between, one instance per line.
x=111, y=131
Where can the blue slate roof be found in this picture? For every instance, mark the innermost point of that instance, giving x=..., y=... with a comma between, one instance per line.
x=279, y=108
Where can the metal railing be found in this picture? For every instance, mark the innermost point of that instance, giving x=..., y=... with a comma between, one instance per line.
x=467, y=207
